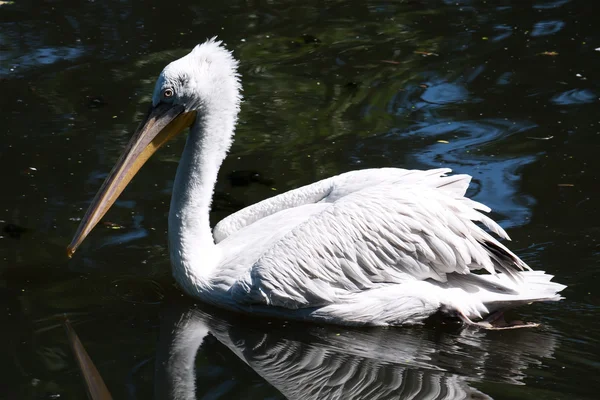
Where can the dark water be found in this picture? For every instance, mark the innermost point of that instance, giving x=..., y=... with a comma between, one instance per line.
x=504, y=91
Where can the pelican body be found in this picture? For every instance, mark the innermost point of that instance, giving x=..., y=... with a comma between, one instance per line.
x=371, y=247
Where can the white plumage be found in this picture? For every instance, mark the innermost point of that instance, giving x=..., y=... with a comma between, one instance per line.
x=372, y=247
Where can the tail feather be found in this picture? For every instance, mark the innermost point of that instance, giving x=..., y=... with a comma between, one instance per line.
x=501, y=291
x=534, y=285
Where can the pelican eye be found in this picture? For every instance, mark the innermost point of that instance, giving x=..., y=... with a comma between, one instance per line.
x=168, y=93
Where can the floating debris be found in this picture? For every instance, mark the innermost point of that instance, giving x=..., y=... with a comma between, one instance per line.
x=566, y=184
x=112, y=225
x=443, y=141
x=548, y=53
x=95, y=101
x=540, y=138
x=426, y=53
x=390, y=62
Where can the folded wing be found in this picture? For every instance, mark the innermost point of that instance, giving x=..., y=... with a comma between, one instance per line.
x=369, y=236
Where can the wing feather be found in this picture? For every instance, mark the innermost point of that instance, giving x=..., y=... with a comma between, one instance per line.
x=379, y=234
x=336, y=187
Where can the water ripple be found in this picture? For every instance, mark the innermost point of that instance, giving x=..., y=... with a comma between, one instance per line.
x=445, y=93
x=551, y=4
x=574, y=96
x=463, y=149
x=43, y=56
x=545, y=28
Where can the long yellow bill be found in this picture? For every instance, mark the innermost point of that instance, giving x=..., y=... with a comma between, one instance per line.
x=162, y=123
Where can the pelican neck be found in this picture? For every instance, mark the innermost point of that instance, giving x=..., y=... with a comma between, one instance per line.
x=194, y=254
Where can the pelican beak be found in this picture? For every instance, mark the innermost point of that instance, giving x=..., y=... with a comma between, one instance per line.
x=161, y=124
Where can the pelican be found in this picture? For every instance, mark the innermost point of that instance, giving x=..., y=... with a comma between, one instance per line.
x=382, y=247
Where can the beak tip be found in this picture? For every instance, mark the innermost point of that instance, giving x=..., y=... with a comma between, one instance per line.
x=70, y=251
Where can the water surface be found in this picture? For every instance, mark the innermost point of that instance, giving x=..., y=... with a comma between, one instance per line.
x=506, y=91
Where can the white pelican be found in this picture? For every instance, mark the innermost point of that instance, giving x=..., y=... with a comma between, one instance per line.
x=372, y=247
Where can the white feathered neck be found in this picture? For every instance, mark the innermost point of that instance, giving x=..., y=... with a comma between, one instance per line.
x=208, y=82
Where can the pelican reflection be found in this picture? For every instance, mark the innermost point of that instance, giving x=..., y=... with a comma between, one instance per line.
x=204, y=353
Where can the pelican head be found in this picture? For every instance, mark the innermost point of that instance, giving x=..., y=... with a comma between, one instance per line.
x=187, y=91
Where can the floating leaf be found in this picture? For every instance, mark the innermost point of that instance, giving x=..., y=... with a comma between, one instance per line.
x=443, y=141
x=548, y=53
